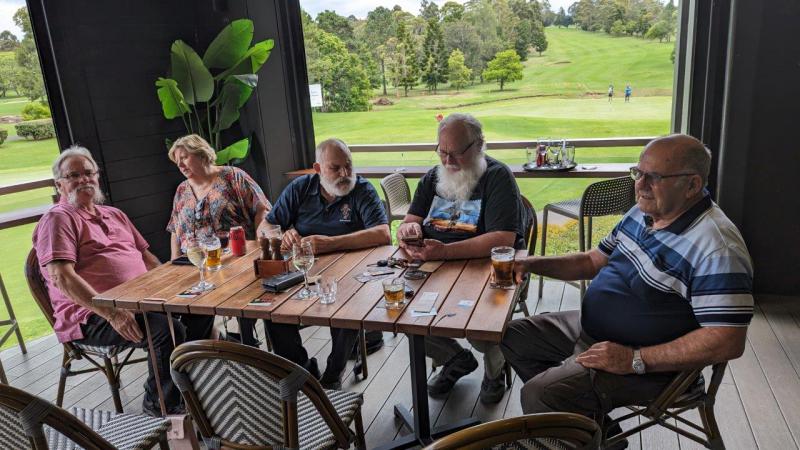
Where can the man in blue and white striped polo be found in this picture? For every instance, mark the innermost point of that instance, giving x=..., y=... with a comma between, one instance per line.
x=671, y=290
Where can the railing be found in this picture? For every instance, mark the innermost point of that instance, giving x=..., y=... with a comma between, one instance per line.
x=507, y=145
x=25, y=215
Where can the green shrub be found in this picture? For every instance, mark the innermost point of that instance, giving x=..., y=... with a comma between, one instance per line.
x=3, y=136
x=36, y=129
x=35, y=111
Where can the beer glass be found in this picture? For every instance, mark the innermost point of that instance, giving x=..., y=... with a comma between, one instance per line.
x=197, y=255
x=502, y=267
x=394, y=292
x=303, y=259
x=213, y=248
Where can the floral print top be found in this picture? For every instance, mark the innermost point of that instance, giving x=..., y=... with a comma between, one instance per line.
x=232, y=200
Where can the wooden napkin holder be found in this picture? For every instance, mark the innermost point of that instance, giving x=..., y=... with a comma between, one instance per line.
x=265, y=268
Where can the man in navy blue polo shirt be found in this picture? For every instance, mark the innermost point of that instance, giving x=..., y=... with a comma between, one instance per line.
x=334, y=209
x=671, y=290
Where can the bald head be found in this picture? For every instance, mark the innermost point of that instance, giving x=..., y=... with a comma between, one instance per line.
x=683, y=153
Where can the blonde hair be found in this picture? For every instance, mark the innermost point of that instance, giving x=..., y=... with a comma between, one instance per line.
x=194, y=145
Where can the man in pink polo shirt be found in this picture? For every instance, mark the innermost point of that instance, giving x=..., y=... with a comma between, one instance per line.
x=86, y=248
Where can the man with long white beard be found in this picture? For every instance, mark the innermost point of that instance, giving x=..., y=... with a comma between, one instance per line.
x=335, y=210
x=462, y=208
x=86, y=248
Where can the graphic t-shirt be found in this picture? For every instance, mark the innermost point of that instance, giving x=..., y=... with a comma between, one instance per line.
x=494, y=205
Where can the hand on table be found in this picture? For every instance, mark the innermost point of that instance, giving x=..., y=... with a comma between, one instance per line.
x=609, y=357
x=124, y=323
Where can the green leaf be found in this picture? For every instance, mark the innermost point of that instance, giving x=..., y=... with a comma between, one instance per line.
x=194, y=79
x=253, y=59
x=172, y=102
x=234, y=153
x=230, y=45
x=235, y=92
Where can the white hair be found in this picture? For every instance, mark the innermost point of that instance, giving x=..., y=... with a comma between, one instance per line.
x=332, y=142
x=74, y=150
x=473, y=126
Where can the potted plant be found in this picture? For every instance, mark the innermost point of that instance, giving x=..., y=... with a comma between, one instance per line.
x=207, y=93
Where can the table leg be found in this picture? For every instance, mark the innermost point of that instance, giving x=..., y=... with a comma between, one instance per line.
x=154, y=362
x=171, y=329
x=419, y=422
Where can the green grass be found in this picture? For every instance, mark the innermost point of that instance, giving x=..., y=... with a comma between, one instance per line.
x=562, y=95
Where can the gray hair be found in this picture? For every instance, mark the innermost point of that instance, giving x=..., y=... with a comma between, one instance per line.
x=72, y=151
x=473, y=126
x=332, y=142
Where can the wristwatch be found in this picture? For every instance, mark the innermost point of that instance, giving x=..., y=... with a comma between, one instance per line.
x=638, y=362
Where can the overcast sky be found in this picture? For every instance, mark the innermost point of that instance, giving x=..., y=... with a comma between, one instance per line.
x=360, y=8
x=7, y=10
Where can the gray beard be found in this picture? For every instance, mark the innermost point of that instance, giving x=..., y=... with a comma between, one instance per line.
x=98, y=197
x=458, y=186
x=332, y=186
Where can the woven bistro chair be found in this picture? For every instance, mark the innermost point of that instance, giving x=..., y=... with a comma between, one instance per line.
x=603, y=198
x=686, y=392
x=531, y=232
x=533, y=431
x=398, y=196
x=244, y=398
x=103, y=359
x=27, y=421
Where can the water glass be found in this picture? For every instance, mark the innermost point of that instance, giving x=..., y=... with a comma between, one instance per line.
x=568, y=155
x=326, y=287
x=553, y=154
x=530, y=154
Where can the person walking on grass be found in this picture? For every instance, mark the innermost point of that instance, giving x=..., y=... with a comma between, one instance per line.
x=628, y=92
x=610, y=92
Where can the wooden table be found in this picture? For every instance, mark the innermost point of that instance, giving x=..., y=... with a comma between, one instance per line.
x=599, y=170
x=358, y=306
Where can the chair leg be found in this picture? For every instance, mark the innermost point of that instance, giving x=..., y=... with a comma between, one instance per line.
x=544, y=245
x=582, y=248
x=361, y=442
x=3, y=378
x=113, y=383
x=507, y=372
x=66, y=363
x=710, y=426
x=163, y=445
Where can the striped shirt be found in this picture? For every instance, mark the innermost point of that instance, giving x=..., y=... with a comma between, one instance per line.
x=661, y=284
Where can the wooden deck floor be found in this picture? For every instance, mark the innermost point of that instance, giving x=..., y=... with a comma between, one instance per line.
x=758, y=405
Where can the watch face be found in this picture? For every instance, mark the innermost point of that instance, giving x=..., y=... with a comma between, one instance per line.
x=638, y=366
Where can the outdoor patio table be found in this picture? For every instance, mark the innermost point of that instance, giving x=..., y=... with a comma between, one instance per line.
x=466, y=305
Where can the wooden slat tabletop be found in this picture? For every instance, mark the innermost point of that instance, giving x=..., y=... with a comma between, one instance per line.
x=466, y=306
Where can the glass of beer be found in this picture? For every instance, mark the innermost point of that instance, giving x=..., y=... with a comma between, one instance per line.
x=502, y=267
x=394, y=292
x=213, y=249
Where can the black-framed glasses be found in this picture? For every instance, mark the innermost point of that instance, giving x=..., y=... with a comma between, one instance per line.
x=444, y=154
x=655, y=178
x=75, y=176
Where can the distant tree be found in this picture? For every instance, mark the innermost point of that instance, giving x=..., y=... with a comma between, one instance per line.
x=452, y=12
x=345, y=84
x=434, y=56
x=482, y=16
x=661, y=30
x=540, y=41
x=379, y=27
x=458, y=73
x=548, y=16
x=561, y=17
x=28, y=76
x=8, y=41
x=429, y=10
x=404, y=59
x=461, y=35
x=504, y=68
x=337, y=25
x=7, y=75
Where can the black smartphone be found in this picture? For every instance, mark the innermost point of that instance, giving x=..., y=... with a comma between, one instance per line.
x=182, y=261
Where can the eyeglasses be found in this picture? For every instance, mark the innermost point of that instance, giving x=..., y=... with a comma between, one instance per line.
x=653, y=177
x=75, y=176
x=460, y=154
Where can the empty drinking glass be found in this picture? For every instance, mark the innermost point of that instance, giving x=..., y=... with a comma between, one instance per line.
x=326, y=287
x=567, y=155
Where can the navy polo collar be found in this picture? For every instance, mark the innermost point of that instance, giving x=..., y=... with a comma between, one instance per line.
x=680, y=224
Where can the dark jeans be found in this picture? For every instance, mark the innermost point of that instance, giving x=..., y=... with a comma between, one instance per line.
x=200, y=326
x=97, y=331
x=286, y=342
x=542, y=351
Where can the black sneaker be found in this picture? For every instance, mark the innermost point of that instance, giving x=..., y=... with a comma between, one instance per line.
x=493, y=389
x=331, y=383
x=458, y=366
x=612, y=431
x=154, y=409
x=374, y=343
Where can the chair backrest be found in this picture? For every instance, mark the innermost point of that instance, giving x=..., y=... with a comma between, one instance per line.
x=396, y=191
x=38, y=286
x=680, y=388
x=23, y=415
x=532, y=228
x=607, y=197
x=550, y=430
x=240, y=395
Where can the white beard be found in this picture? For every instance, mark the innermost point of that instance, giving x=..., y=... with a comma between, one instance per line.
x=458, y=186
x=98, y=197
x=333, y=186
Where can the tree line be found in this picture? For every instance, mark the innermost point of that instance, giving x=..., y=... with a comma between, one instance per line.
x=460, y=44
x=20, y=73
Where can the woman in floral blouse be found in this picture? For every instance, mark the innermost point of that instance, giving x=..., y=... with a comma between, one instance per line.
x=213, y=198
